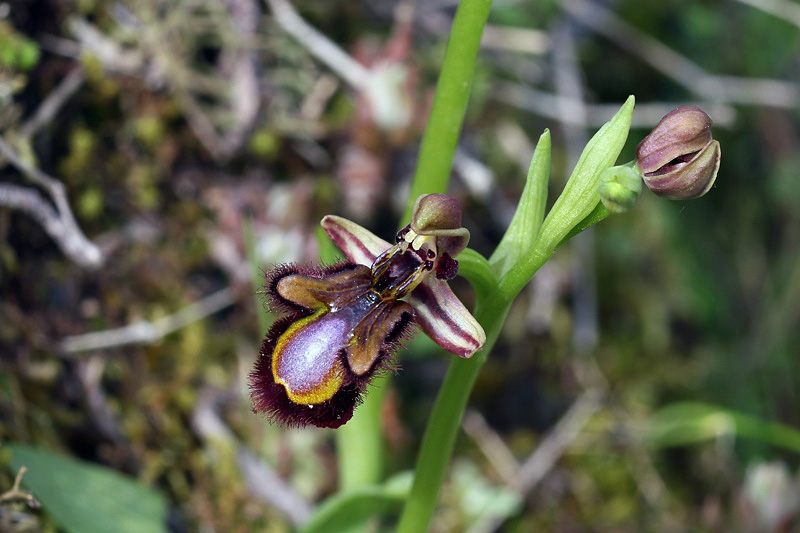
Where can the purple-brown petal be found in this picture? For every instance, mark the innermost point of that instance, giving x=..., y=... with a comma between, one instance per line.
x=331, y=288
x=446, y=267
x=376, y=337
x=443, y=317
x=358, y=244
x=313, y=291
x=683, y=131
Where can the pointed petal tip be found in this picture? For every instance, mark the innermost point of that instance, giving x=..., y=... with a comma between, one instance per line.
x=446, y=320
x=358, y=244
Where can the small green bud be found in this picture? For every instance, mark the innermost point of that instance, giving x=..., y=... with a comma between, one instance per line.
x=679, y=159
x=619, y=188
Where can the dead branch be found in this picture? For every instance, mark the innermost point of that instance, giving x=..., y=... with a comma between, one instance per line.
x=54, y=101
x=262, y=481
x=729, y=89
x=144, y=331
x=59, y=223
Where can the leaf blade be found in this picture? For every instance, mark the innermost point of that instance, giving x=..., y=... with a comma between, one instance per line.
x=527, y=221
x=87, y=498
x=581, y=193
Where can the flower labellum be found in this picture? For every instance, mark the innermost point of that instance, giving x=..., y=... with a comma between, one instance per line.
x=345, y=321
x=679, y=159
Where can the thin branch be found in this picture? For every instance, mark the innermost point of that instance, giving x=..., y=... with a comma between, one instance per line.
x=646, y=115
x=547, y=453
x=54, y=101
x=787, y=11
x=16, y=494
x=143, y=331
x=492, y=445
x=542, y=460
x=261, y=480
x=524, y=40
x=766, y=92
x=320, y=46
x=59, y=223
x=265, y=485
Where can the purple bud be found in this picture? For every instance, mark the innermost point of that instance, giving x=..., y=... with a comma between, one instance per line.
x=679, y=159
x=439, y=216
x=435, y=212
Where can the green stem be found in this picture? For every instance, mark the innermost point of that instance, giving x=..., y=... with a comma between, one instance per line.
x=442, y=429
x=450, y=101
x=432, y=176
x=476, y=269
x=359, y=444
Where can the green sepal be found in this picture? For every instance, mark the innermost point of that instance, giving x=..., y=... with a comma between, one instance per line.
x=527, y=220
x=581, y=193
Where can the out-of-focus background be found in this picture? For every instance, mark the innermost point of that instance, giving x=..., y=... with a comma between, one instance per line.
x=151, y=151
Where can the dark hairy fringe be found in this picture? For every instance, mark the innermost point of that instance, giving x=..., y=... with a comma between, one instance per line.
x=270, y=398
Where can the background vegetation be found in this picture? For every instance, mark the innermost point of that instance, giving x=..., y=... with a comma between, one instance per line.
x=648, y=380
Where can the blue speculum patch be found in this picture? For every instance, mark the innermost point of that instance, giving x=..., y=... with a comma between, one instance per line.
x=306, y=358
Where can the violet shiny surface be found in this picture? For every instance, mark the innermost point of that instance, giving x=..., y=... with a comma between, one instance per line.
x=312, y=351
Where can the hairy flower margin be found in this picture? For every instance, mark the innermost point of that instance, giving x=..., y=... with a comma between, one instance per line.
x=344, y=322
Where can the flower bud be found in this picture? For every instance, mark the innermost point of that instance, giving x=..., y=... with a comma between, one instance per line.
x=679, y=159
x=439, y=216
x=619, y=188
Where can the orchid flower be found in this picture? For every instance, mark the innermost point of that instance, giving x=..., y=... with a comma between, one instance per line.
x=346, y=321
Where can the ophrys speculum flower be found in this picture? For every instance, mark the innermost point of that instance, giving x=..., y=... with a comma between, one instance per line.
x=346, y=320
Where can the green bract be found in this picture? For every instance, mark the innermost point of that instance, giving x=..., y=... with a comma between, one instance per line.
x=524, y=227
x=581, y=193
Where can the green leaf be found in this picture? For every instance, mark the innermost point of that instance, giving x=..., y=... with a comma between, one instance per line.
x=581, y=193
x=524, y=228
x=87, y=498
x=689, y=423
x=349, y=511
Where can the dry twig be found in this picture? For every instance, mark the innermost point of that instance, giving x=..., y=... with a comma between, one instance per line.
x=58, y=222
x=788, y=11
x=145, y=331
x=729, y=89
x=347, y=68
x=16, y=494
x=647, y=114
x=262, y=481
x=53, y=103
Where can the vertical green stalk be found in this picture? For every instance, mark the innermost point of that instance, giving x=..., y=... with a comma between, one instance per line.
x=442, y=429
x=359, y=446
x=440, y=433
x=432, y=175
x=359, y=442
x=450, y=101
